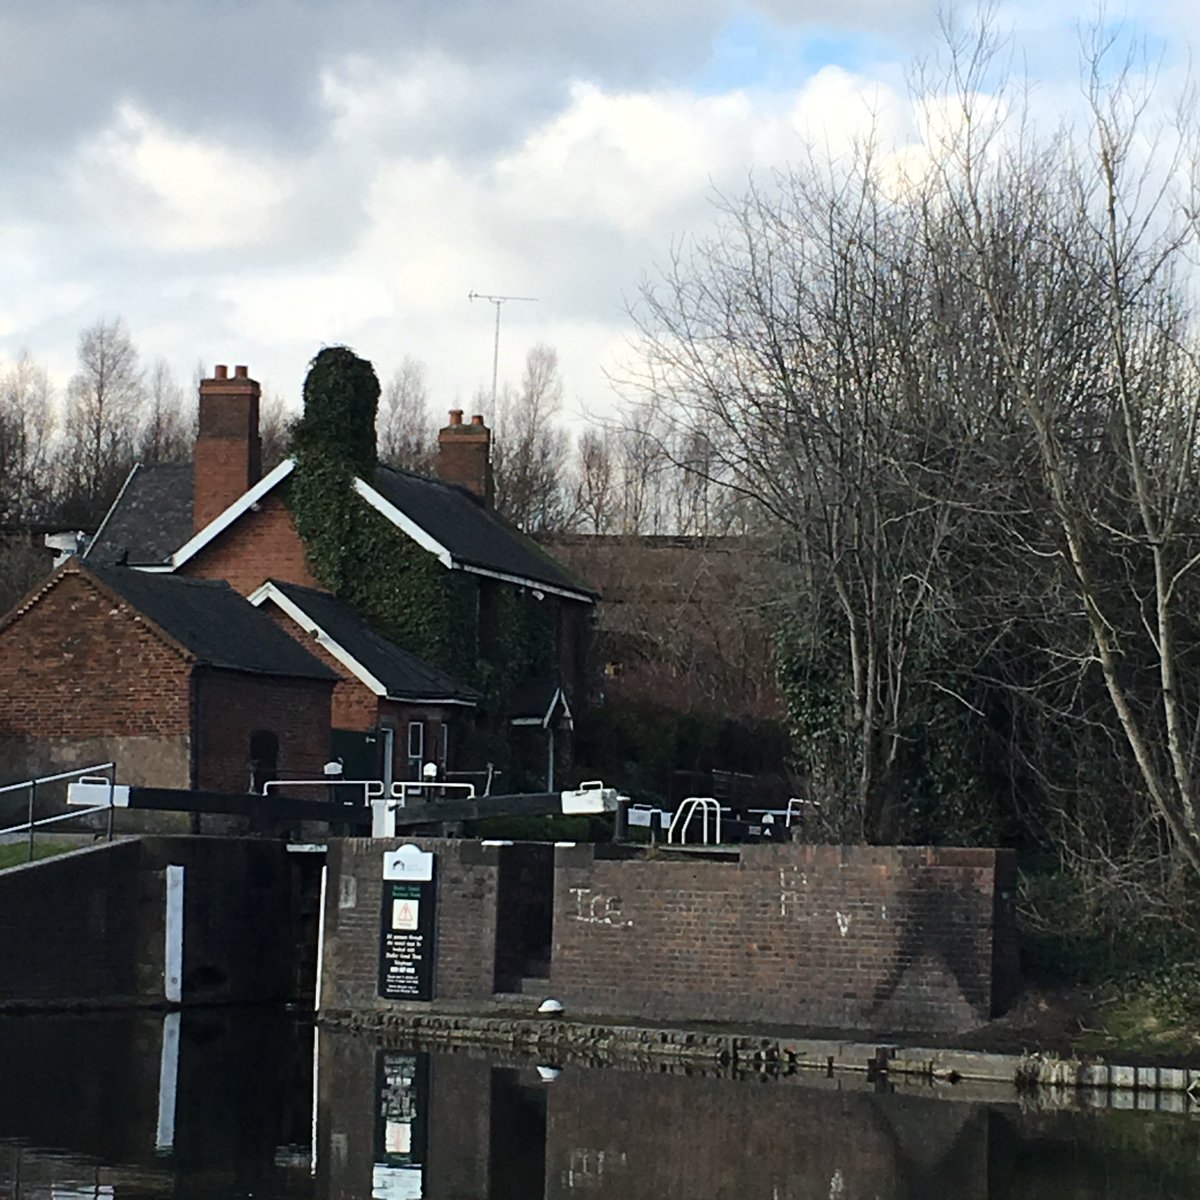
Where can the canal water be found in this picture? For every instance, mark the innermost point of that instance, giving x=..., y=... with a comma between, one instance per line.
x=251, y=1104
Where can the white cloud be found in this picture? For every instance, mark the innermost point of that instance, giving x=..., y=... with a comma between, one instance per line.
x=149, y=184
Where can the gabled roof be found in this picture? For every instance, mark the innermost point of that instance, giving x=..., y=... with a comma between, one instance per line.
x=539, y=702
x=150, y=518
x=154, y=510
x=381, y=665
x=471, y=536
x=211, y=621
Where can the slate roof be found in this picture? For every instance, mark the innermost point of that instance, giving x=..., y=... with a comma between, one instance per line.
x=151, y=519
x=212, y=621
x=404, y=675
x=473, y=534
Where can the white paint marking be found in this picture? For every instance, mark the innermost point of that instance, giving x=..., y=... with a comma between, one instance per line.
x=168, y=1083
x=595, y=909
x=321, y=939
x=843, y=922
x=173, y=956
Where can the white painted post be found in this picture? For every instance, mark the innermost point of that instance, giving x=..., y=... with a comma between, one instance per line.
x=168, y=1082
x=321, y=937
x=173, y=958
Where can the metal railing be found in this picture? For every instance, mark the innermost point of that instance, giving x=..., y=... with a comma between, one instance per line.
x=797, y=805
x=683, y=819
x=32, y=825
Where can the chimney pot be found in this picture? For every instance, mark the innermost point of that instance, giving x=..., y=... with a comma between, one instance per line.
x=464, y=455
x=228, y=453
x=477, y=419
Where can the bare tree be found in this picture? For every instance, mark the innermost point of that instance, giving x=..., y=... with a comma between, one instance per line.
x=530, y=454
x=596, y=485
x=966, y=405
x=275, y=422
x=407, y=437
x=26, y=429
x=104, y=399
x=1062, y=236
x=168, y=431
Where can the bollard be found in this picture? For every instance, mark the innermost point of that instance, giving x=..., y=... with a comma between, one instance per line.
x=621, y=822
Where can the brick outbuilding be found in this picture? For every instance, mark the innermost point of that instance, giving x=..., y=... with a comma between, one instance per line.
x=181, y=682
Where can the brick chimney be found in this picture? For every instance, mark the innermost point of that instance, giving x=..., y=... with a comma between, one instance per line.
x=228, y=456
x=465, y=455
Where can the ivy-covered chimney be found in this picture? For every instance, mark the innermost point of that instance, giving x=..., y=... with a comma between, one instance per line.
x=465, y=455
x=228, y=455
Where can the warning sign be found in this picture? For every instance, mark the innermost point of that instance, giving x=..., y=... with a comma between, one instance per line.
x=404, y=914
x=407, y=934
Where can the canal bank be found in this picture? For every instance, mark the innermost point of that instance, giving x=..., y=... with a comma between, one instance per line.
x=750, y=1051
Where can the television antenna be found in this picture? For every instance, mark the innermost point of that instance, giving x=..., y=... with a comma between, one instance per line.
x=497, y=301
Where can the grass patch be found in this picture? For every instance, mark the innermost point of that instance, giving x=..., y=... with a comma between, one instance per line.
x=1153, y=1013
x=16, y=854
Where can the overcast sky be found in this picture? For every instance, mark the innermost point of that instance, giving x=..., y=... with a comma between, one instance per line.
x=245, y=181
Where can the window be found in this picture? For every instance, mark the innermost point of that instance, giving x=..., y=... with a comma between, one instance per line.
x=416, y=748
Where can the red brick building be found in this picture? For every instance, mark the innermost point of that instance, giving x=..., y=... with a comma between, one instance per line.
x=179, y=681
x=221, y=519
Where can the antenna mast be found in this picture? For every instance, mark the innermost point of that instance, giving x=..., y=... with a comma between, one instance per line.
x=497, y=301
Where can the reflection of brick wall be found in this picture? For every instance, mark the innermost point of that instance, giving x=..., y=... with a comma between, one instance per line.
x=614, y=1135
x=841, y=937
x=467, y=884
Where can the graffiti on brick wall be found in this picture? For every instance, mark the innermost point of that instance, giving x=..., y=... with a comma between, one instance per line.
x=791, y=882
x=595, y=908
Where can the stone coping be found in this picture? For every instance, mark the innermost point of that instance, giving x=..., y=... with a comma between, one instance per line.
x=740, y=1051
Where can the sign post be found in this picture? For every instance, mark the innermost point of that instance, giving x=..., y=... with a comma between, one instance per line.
x=408, y=925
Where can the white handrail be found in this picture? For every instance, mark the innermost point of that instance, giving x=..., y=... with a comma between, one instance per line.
x=797, y=804
x=71, y=816
x=15, y=787
x=687, y=810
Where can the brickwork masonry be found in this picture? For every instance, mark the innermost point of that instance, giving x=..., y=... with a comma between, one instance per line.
x=850, y=938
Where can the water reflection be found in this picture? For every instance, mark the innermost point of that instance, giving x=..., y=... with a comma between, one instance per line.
x=237, y=1104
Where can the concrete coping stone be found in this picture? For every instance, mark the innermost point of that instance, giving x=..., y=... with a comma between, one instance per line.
x=1174, y=1089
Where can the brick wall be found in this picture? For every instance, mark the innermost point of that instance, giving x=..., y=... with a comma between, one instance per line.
x=89, y=927
x=882, y=939
x=263, y=544
x=230, y=706
x=77, y=660
x=355, y=706
x=467, y=883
